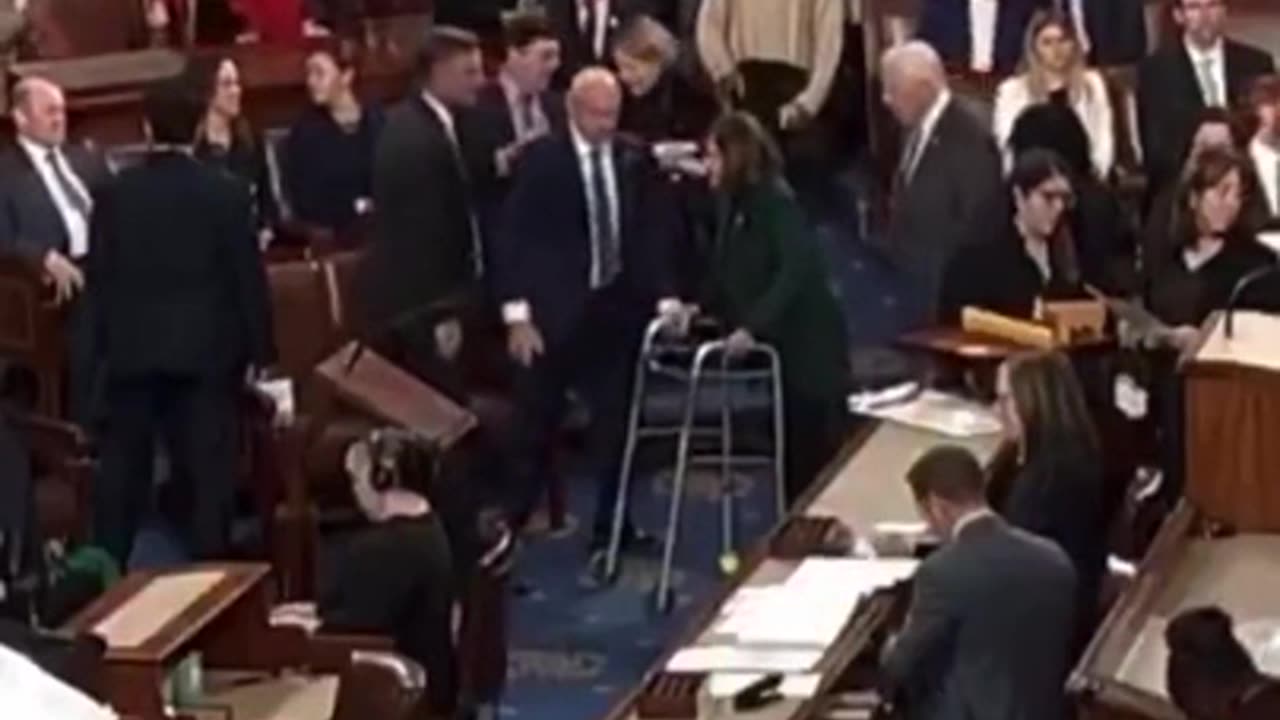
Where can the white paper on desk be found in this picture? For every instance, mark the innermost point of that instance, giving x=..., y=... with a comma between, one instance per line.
x=1255, y=341
x=163, y=599
x=27, y=692
x=814, y=604
x=937, y=412
x=729, y=658
x=801, y=686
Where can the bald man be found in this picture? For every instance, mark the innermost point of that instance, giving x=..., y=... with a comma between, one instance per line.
x=948, y=170
x=579, y=267
x=46, y=200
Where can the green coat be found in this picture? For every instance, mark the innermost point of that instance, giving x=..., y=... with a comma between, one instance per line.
x=768, y=275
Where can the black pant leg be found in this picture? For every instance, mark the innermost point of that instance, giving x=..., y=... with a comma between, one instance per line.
x=122, y=490
x=539, y=392
x=85, y=383
x=812, y=430
x=200, y=413
x=428, y=636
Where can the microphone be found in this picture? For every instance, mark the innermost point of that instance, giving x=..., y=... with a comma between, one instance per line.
x=1246, y=282
x=402, y=319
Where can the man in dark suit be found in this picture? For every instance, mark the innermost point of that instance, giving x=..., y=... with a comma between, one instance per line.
x=948, y=171
x=586, y=29
x=46, y=199
x=965, y=652
x=182, y=314
x=513, y=110
x=579, y=264
x=426, y=248
x=1201, y=68
x=994, y=44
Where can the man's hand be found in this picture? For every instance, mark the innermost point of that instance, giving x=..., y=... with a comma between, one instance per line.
x=66, y=278
x=524, y=342
x=739, y=341
x=677, y=318
x=449, y=339
x=793, y=115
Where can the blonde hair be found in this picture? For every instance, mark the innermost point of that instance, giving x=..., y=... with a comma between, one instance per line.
x=646, y=40
x=1037, y=75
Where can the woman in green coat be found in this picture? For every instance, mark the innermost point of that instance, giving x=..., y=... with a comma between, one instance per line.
x=769, y=282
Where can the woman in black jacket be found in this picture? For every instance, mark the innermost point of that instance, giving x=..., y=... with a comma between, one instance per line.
x=1058, y=492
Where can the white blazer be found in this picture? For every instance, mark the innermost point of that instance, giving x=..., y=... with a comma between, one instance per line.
x=1093, y=109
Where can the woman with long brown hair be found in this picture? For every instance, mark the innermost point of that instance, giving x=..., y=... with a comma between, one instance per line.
x=1054, y=70
x=769, y=282
x=1058, y=492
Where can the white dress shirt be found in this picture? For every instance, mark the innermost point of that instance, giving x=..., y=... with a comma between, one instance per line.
x=1266, y=164
x=1199, y=255
x=584, y=149
x=525, y=126
x=1093, y=107
x=968, y=519
x=983, y=16
x=77, y=225
x=923, y=134
x=443, y=114
x=1215, y=59
x=1038, y=251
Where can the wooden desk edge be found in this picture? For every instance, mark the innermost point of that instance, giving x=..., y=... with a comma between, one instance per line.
x=239, y=579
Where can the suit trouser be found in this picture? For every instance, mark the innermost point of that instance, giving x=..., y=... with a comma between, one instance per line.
x=595, y=359
x=195, y=417
x=84, y=381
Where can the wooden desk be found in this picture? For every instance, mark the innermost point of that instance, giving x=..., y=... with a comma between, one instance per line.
x=1192, y=563
x=152, y=620
x=104, y=92
x=865, y=485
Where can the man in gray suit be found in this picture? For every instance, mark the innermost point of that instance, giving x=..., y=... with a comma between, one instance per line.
x=988, y=633
x=949, y=169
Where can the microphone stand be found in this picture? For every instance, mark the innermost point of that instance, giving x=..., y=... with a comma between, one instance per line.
x=1246, y=282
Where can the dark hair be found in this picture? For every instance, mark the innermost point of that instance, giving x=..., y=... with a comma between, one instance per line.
x=1053, y=126
x=948, y=472
x=750, y=154
x=441, y=44
x=1206, y=661
x=522, y=29
x=1030, y=170
x=172, y=113
x=1203, y=172
x=1050, y=402
x=201, y=79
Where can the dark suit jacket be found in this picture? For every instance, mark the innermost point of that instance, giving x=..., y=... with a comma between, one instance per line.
x=175, y=274
x=576, y=48
x=1170, y=101
x=1058, y=494
x=988, y=631
x=423, y=244
x=957, y=175
x=945, y=25
x=487, y=128
x=29, y=220
x=1117, y=31
x=543, y=253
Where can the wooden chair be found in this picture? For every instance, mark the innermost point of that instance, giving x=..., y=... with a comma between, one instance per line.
x=31, y=333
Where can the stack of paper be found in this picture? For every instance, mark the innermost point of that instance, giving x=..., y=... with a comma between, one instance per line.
x=935, y=411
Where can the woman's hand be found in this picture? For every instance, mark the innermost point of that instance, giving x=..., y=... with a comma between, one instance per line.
x=739, y=342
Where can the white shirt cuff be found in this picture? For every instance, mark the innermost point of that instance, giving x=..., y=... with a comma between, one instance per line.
x=669, y=305
x=516, y=311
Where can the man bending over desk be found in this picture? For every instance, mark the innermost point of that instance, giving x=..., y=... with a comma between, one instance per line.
x=989, y=628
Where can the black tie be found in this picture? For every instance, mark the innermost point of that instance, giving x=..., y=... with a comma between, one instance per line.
x=604, y=236
x=79, y=201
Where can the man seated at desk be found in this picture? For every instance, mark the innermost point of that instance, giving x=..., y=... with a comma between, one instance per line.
x=988, y=631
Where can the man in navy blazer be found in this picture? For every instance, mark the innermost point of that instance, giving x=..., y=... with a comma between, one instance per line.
x=578, y=267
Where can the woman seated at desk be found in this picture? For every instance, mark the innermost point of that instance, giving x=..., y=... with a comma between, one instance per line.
x=769, y=281
x=1058, y=491
x=1031, y=255
x=328, y=158
x=225, y=139
x=396, y=577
